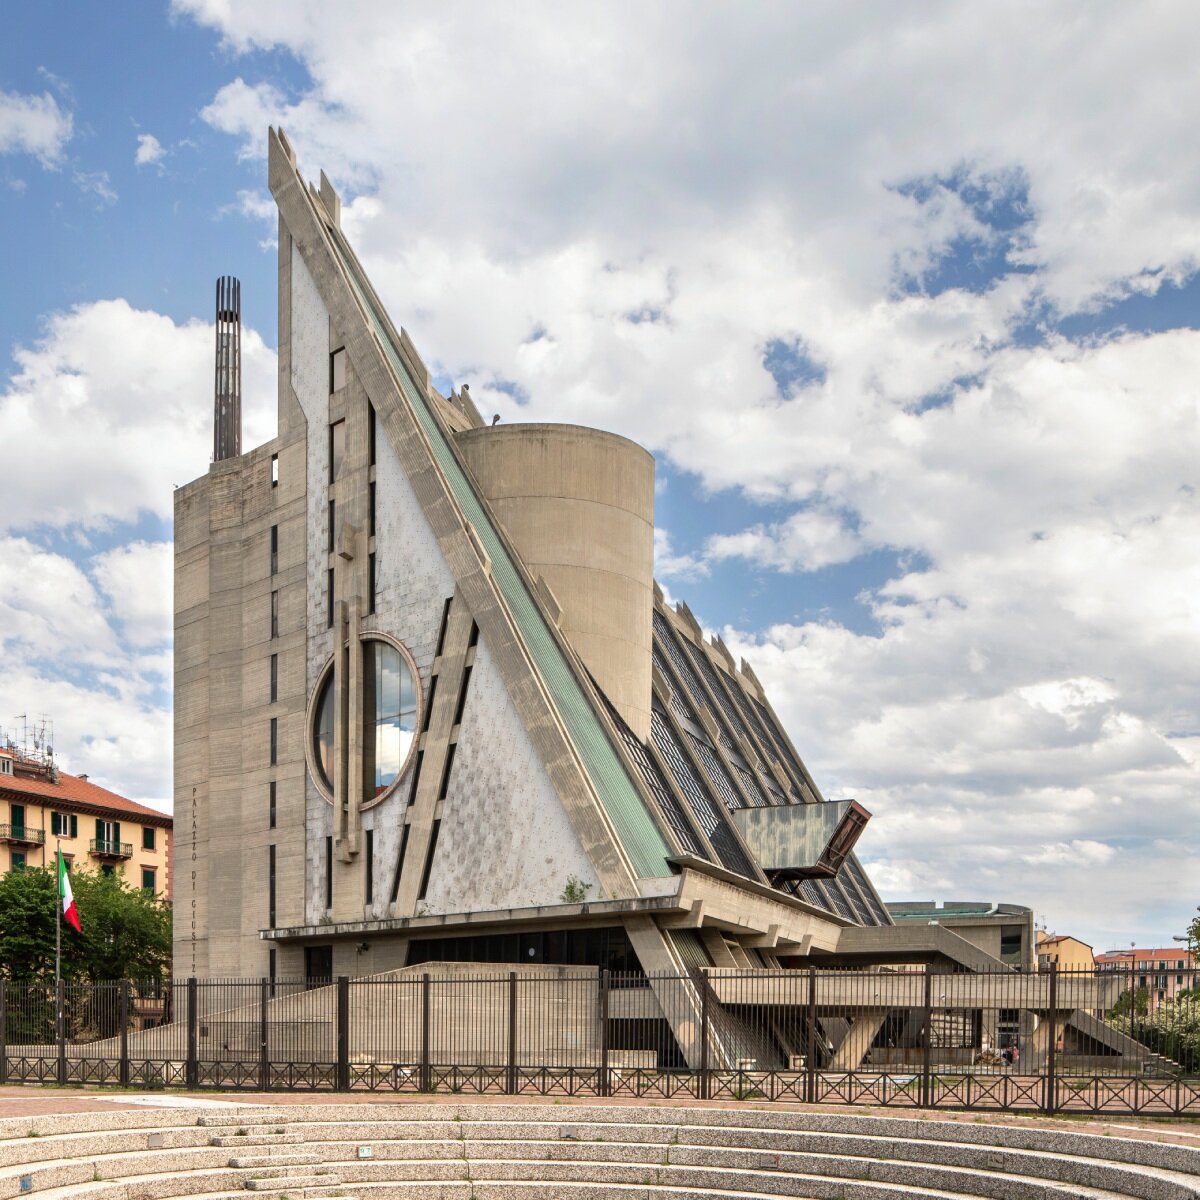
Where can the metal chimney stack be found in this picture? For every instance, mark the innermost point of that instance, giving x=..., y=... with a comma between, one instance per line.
x=227, y=398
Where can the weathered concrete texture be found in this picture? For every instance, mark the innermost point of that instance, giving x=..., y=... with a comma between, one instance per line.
x=578, y=505
x=504, y=839
x=511, y=1149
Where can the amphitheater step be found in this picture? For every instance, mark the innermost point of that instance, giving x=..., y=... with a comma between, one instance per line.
x=277, y=1183
x=275, y=1160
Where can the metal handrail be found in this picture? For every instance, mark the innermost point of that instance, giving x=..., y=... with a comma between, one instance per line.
x=110, y=849
x=22, y=833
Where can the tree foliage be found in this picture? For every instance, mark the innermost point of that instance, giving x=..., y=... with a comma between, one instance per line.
x=126, y=931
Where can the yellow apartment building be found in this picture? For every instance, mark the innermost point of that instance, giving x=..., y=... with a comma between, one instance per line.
x=1068, y=953
x=41, y=807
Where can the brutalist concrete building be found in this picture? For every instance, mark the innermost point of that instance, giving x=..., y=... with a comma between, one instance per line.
x=431, y=706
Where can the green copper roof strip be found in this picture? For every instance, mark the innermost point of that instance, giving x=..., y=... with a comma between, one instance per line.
x=635, y=827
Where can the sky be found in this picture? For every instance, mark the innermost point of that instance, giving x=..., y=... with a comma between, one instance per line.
x=904, y=299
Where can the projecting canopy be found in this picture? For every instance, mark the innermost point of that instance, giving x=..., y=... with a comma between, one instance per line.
x=802, y=841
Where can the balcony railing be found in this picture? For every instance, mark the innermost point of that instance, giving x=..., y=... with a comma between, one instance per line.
x=106, y=849
x=23, y=835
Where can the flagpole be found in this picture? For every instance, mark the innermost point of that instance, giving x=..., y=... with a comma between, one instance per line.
x=57, y=914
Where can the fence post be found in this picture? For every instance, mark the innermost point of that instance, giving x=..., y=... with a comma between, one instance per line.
x=264, y=1053
x=191, y=1068
x=510, y=1084
x=1053, y=1039
x=426, y=1075
x=3, y=1033
x=60, y=1028
x=603, y=1089
x=810, y=1050
x=342, y=1079
x=926, y=1030
x=123, y=1017
x=704, y=1081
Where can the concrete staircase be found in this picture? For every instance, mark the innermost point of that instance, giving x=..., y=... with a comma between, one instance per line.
x=483, y=1151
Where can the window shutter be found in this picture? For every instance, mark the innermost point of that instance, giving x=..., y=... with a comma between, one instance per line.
x=117, y=836
x=74, y=825
x=100, y=835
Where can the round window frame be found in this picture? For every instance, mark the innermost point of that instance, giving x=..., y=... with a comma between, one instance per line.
x=310, y=717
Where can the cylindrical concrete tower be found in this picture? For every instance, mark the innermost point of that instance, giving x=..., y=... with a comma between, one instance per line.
x=578, y=505
x=227, y=389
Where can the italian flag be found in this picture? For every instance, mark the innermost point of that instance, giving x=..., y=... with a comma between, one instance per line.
x=70, y=912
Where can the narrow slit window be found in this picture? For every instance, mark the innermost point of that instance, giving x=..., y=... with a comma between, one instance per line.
x=337, y=450
x=270, y=887
x=369, y=863
x=274, y=678
x=271, y=802
x=433, y=837
x=371, y=435
x=332, y=524
x=429, y=705
x=274, y=470
x=337, y=370
x=445, y=788
x=274, y=741
x=371, y=516
x=412, y=794
x=274, y=549
x=329, y=872
x=371, y=582
x=441, y=642
x=462, y=697
x=399, y=865
x=274, y=614
x=329, y=598
x=474, y=638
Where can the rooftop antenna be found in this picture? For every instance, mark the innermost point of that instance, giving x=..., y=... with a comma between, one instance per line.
x=227, y=398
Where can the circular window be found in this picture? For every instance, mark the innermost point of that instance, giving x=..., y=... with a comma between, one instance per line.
x=390, y=714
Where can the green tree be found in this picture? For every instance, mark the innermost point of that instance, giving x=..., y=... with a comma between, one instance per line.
x=126, y=931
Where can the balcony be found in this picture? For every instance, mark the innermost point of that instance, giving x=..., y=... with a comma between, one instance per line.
x=22, y=835
x=99, y=848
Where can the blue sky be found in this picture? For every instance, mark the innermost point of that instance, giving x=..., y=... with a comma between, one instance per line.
x=904, y=302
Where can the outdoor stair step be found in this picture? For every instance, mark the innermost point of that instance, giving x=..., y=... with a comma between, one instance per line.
x=284, y=1182
x=275, y=1160
x=282, y=1139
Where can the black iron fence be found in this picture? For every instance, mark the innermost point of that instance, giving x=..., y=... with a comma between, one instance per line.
x=1094, y=1041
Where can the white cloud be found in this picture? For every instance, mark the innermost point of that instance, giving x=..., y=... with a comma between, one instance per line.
x=807, y=540
x=149, y=150
x=121, y=401
x=136, y=577
x=670, y=565
x=34, y=125
x=648, y=205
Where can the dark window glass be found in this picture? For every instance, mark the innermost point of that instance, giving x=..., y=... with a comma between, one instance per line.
x=270, y=887
x=332, y=525
x=441, y=642
x=429, y=705
x=271, y=800
x=371, y=580
x=371, y=516
x=369, y=863
x=329, y=872
x=433, y=837
x=274, y=549
x=274, y=614
x=329, y=598
x=462, y=697
x=474, y=638
x=445, y=788
x=274, y=740
x=400, y=862
x=274, y=678
x=371, y=436
x=337, y=449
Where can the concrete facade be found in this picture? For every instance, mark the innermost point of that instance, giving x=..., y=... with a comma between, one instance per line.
x=577, y=758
